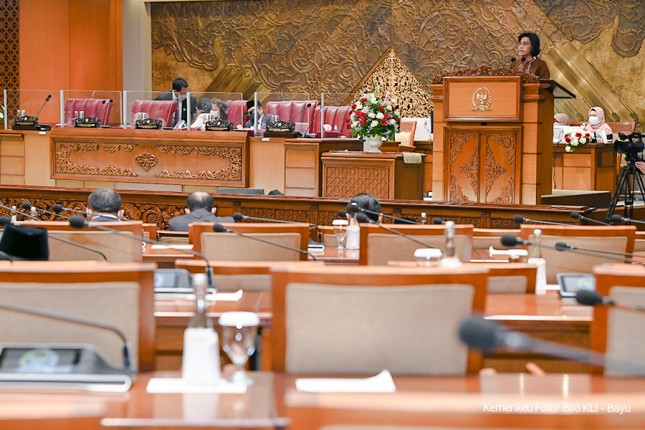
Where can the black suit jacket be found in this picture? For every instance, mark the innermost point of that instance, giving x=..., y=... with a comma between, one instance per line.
x=183, y=105
x=180, y=223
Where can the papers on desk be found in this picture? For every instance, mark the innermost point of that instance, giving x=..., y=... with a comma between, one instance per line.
x=211, y=296
x=381, y=383
x=172, y=246
x=178, y=385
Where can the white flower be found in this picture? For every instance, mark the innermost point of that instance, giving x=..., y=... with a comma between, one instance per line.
x=392, y=121
x=374, y=123
x=567, y=148
x=379, y=115
x=371, y=115
x=574, y=143
x=359, y=105
x=583, y=140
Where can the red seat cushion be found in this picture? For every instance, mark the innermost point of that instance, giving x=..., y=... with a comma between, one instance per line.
x=95, y=108
x=157, y=109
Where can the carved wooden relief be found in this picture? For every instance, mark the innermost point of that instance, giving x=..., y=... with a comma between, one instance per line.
x=333, y=47
x=9, y=52
x=343, y=182
x=462, y=171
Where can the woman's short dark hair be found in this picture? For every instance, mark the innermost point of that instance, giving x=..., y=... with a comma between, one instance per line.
x=535, y=42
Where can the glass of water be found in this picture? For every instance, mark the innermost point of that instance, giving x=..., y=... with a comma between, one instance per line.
x=239, y=331
x=340, y=230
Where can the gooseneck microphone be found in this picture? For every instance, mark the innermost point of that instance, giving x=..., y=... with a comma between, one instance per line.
x=127, y=354
x=58, y=208
x=361, y=217
x=592, y=298
x=49, y=96
x=583, y=219
x=307, y=106
x=397, y=219
x=238, y=216
x=519, y=219
x=617, y=218
x=437, y=221
x=53, y=237
x=486, y=335
x=626, y=256
x=78, y=221
x=219, y=228
x=27, y=206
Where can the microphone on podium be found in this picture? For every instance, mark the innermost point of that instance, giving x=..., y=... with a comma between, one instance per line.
x=583, y=219
x=486, y=335
x=78, y=221
x=617, y=218
x=592, y=298
x=3, y=221
x=519, y=219
x=219, y=228
x=361, y=217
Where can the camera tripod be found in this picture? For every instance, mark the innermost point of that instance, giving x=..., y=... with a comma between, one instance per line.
x=630, y=178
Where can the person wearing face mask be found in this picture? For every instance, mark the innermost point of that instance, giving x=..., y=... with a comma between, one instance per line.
x=528, y=61
x=180, y=93
x=597, y=121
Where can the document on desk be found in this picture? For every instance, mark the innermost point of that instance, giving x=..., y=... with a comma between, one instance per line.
x=381, y=383
x=178, y=385
x=172, y=246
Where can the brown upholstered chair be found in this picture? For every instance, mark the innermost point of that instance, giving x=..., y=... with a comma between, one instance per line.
x=365, y=319
x=618, y=238
x=228, y=246
x=116, y=248
x=617, y=332
x=378, y=246
x=116, y=294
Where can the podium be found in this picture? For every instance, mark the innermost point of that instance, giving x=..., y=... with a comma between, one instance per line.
x=493, y=134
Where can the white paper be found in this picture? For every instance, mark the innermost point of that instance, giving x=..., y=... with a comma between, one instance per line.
x=381, y=383
x=172, y=246
x=178, y=385
x=226, y=297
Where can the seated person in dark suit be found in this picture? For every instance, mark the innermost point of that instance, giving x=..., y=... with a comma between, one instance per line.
x=104, y=205
x=199, y=209
x=24, y=243
x=179, y=90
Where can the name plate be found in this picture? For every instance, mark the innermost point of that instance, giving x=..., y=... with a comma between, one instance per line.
x=218, y=125
x=87, y=122
x=148, y=124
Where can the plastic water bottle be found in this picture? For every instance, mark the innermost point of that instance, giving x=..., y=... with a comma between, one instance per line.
x=200, y=361
x=449, y=253
x=536, y=259
x=353, y=240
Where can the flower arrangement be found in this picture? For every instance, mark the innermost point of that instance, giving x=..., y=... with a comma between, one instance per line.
x=374, y=115
x=574, y=139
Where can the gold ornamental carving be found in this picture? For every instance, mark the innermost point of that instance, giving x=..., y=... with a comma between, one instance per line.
x=482, y=99
x=346, y=182
x=232, y=173
x=146, y=161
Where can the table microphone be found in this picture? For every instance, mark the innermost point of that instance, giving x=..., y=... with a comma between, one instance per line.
x=48, y=98
x=437, y=221
x=592, y=298
x=519, y=219
x=583, y=219
x=219, y=228
x=486, y=335
x=238, y=216
x=341, y=214
x=3, y=221
x=28, y=206
x=626, y=256
x=361, y=217
x=77, y=221
x=58, y=208
x=617, y=218
x=127, y=354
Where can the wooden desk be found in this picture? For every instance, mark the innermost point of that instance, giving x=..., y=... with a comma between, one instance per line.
x=590, y=167
x=385, y=175
x=493, y=401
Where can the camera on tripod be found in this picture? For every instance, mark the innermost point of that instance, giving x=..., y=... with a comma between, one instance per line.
x=630, y=145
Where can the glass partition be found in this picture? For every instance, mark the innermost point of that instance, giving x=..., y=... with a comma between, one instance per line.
x=296, y=108
x=103, y=105
x=43, y=104
x=336, y=109
x=216, y=105
x=144, y=105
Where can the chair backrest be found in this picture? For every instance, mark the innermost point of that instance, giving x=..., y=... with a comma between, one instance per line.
x=169, y=236
x=366, y=319
x=292, y=110
x=229, y=246
x=336, y=116
x=617, y=238
x=117, y=248
x=408, y=128
x=95, y=108
x=378, y=246
x=117, y=294
x=622, y=127
x=614, y=331
x=237, y=112
x=164, y=110
x=510, y=278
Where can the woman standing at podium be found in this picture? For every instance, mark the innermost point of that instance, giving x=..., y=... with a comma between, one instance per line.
x=528, y=61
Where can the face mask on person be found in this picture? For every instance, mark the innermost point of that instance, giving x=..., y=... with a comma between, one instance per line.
x=594, y=120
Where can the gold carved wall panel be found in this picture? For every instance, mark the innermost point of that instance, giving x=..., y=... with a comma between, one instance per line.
x=593, y=48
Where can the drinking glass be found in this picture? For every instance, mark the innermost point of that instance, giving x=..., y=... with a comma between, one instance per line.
x=340, y=230
x=239, y=330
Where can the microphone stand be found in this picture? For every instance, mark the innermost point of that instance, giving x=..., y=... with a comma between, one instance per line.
x=363, y=218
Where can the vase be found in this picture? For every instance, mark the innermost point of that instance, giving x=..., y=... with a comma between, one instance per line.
x=372, y=144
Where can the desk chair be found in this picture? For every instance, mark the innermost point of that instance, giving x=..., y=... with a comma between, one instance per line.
x=117, y=294
x=616, y=238
x=378, y=246
x=165, y=110
x=117, y=249
x=228, y=246
x=365, y=319
x=616, y=332
x=95, y=108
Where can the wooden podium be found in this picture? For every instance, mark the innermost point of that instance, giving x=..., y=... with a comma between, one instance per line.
x=493, y=137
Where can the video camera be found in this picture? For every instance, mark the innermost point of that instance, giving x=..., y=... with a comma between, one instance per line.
x=630, y=145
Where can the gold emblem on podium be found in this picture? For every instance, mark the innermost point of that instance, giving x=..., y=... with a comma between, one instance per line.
x=482, y=99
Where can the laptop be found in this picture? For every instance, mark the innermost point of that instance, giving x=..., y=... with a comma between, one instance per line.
x=571, y=283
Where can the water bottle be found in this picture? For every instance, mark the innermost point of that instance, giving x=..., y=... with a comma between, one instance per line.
x=14, y=219
x=200, y=361
x=535, y=258
x=449, y=253
x=353, y=240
